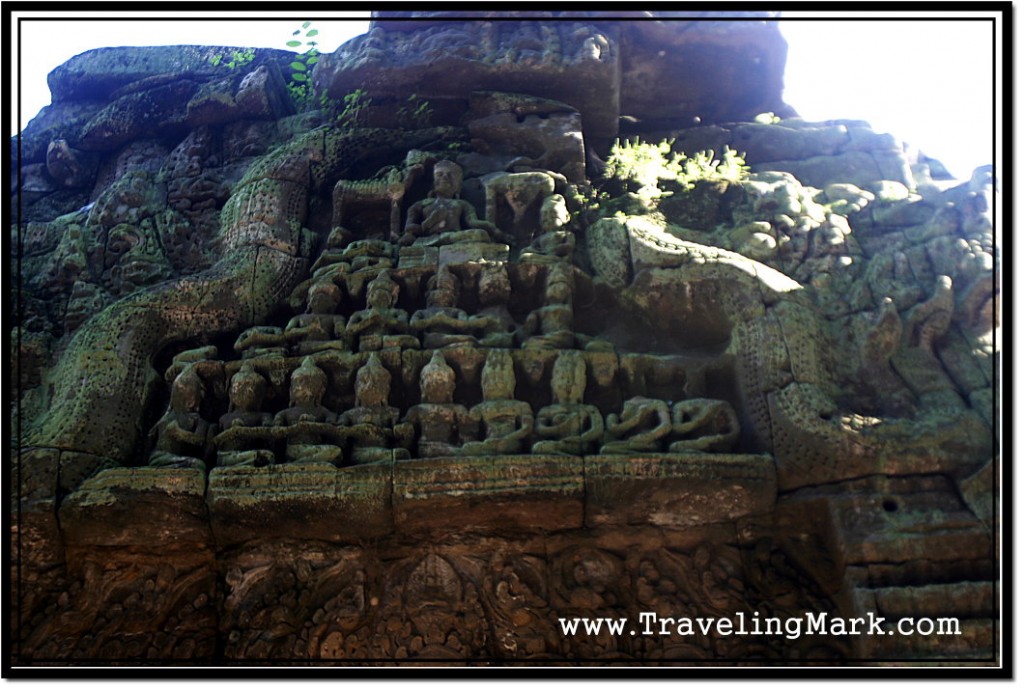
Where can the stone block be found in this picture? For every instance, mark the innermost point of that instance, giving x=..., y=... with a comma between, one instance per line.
x=301, y=501
x=467, y=252
x=414, y=257
x=150, y=508
x=676, y=490
x=518, y=493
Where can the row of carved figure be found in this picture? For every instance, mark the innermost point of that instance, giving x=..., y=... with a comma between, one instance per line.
x=441, y=323
x=539, y=224
x=373, y=430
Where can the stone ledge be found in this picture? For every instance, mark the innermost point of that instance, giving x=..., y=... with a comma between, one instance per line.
x=489, y=492
x=148, y=507
x=303, y=501
x=675, y=490
x=158, y=507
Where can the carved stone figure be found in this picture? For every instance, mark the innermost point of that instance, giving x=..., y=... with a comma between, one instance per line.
x=261, y=342
x=305, y=441
x=554, y=242
x=332, y=260
x=440, y=424
x=441, y=322
x=568, y=426
x=444, y=219
x=703, y=424
x=643, y=425
x=551, y=326
x=234, y=446
x=506, y=422
x=321, y=328
x=182, y=434
x=493, y=318
x=523, y=194
x=381, y=325
x=373, y=425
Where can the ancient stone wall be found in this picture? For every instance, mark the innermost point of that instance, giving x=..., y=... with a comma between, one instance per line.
x=295, y=389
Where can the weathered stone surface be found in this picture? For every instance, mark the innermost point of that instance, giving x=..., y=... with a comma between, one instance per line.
x=676, y=490
x=575, y=63
x=96, y=74
x=489, y=493
x=387, y=419
x=147, y=508
x=301, y=501
x=678, y=73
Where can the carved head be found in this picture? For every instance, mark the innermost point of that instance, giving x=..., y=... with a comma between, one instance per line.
x=495, y=287
x=444, y=288
x=248, y=387
x=569, y=377
x=373, y=383
x=437, y=380
x=558, y=286
x=382, y=292
x=187, y=392
x=447, y=179
x=308, y=384
x=338, y=237
x=323, y=298
x=498, y=379
x=553, y=213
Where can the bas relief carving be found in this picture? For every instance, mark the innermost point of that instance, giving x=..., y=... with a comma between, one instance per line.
x=742, y=400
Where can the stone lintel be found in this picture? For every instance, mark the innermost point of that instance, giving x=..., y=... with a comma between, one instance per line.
x=161, y=507
x=302, y=501
x=675, y=490
x=153, y=508
x=521, y=493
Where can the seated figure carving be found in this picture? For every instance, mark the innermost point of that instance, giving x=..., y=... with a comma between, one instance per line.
x=306, y=440
x=703, y=425
x=551, y=326
x=381, y=325
x=373, y=425
x=443, y=218
x=261, y=342
x=506, y=422
x=441, y=322
x=237, y=444
x=643, y=426
x=182, y=435
x=568, y=426
x=493, y=318
x=440, y=424
x=332, y=260
x=320, y=328
x=554, y=242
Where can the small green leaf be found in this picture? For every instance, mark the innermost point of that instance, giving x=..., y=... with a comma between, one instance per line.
x=312, y=60
x=299, y=77
x=311, y=33
x=305, y=25
x=298, y=66
x=293, y=44
x=296, y=32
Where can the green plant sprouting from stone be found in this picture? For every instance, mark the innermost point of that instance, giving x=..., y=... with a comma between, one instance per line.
x=640, y=166
x=416, y=113
x=349, y=111
x=704, y=166
x=641, y=173
x=238, y=58
x=299, y=85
